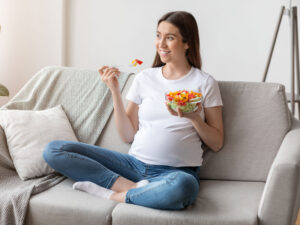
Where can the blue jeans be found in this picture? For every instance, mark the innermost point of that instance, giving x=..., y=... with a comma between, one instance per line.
x=169, y=188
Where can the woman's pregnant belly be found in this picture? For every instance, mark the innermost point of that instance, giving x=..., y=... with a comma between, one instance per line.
x=173, y=144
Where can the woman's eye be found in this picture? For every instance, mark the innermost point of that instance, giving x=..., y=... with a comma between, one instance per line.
x=170, y=38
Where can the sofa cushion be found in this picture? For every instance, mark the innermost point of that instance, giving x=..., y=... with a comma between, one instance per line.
x=256, y=119
x=28, y=132
x=61, y=205
x=218, y=203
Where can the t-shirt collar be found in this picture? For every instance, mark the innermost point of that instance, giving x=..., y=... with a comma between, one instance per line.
x=177, y=80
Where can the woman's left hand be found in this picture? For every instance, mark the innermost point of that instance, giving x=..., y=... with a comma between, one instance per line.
x=191, y=116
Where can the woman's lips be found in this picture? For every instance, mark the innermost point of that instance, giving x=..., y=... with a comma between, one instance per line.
x=164, y=53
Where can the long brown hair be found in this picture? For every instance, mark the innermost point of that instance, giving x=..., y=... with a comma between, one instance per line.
x=188, y=28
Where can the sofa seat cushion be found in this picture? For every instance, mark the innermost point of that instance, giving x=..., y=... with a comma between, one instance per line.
x=218, y=203
x=61, y=205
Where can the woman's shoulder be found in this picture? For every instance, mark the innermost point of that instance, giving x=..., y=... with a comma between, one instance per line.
x=204, y=76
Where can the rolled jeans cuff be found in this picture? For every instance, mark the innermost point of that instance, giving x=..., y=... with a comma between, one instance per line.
x=113, y=179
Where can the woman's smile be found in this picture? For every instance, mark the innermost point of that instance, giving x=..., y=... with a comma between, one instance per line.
x=164, y=52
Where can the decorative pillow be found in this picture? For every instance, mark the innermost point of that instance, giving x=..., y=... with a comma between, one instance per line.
x=28, y=132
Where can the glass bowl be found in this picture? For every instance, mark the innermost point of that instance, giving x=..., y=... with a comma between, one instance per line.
x=187, y=103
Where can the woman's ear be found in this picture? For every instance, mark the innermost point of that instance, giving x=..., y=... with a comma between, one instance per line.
x=186, y=46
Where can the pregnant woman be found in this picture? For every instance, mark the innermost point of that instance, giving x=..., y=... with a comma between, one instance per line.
x=161, y=169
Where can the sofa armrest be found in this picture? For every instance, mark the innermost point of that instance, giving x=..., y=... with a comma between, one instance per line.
x=280, y=199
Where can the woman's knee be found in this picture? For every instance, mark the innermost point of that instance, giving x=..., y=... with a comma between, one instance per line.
x=184, y=189
x=51, y=149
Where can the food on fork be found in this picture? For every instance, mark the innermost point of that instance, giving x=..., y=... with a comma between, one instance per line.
x=136, y=62
x=133, y=63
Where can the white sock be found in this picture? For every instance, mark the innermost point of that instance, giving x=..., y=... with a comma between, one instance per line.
x=142, y=183
x=93, y=189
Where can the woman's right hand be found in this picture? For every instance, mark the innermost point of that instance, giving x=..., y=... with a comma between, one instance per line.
x=108, y=77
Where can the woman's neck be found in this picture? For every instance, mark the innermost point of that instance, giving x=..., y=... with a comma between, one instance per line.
x=174, y=72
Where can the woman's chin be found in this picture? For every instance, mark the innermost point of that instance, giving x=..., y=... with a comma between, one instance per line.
x=164, y=60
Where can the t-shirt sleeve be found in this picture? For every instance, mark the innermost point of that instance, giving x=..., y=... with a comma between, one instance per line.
x=212, y=95
x=134, y=93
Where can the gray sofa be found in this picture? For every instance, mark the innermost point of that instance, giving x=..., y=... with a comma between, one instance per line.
x=253, y=180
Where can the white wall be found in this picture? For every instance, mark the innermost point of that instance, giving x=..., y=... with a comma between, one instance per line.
x=30, y=39
x=235, y=36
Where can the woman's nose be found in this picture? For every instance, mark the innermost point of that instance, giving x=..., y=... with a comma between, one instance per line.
x=162, y=43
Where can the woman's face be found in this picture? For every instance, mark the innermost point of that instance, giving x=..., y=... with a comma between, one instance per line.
x=169, y=43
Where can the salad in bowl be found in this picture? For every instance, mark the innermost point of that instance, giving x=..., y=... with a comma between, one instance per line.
x=185, y=100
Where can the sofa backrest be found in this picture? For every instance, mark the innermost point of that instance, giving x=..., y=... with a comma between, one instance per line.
x=256, y=119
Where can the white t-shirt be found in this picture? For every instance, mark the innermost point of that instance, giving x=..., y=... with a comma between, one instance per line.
x=164, y=139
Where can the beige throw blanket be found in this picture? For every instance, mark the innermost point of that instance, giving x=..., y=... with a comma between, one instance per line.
x=88, y=104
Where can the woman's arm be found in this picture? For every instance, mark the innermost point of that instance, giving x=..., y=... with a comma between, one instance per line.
x=211, y=132
x=126, y=121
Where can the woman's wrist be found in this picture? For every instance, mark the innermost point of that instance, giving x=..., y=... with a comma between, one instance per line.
x=196, y=119
x=115, y=91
